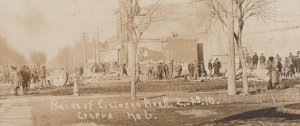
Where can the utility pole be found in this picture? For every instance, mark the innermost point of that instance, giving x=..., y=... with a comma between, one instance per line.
x=231, y=56
x=84, y=49
x=123, y=30
x=98, y=44
x=95, y=50
x=74, y=55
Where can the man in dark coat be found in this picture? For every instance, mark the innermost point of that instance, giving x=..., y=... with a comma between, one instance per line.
x=217, y=66
x=166, y=70
x=255, y=60
x=25, y=79
x=160, y=71
x=279, y=67
x=124, y=70
x=210, y=67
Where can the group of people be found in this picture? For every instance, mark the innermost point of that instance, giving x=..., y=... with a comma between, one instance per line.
x=256, y=62
x=105, y=67
x=286, y=68
x=22, y=76
x=181, y=69
x=277, y=68
x=196, y=70
x=289, y=67
x=214, y=68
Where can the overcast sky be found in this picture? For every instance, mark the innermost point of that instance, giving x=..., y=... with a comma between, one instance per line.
x=47, y=25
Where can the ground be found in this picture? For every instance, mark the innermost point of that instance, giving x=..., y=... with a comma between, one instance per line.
x=158, y=103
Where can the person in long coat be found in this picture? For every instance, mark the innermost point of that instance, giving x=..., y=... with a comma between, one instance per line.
x=166, y=71
x=210, y=67
x=255, y=60
x=15, y=81
x=25, y=80
x=217, y=66
x=273, y=73
x=124, y=70
x=160, y=71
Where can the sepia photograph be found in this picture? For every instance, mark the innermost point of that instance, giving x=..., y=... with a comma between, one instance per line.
x=149, y=62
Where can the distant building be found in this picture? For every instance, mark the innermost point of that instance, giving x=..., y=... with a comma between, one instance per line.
x=181, y=49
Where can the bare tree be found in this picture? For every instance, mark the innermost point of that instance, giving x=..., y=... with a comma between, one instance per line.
x=10, y=56
x=38, y=58
x=242, y=11
x=138, y=21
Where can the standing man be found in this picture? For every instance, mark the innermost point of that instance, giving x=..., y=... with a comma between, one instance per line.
x=217, y=66
x=43, y=76
x=273, y=73
x=124, y=70
x=255, y=60
x=291, y=57
x=15, y=81
x=262, y=61
x=190, y=69
x=25, y=81
x=160, y=70
x=150, y=70
x=279, y=68
x=286, y=67
x=197, y=72
x=35, y=74
x=166, y=70
x=248, y=60
x=278, y=58
x=210, y=67
x=292, y=62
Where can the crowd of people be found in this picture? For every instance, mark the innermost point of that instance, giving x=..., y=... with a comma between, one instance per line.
x=167, y=70
x=276, y=66
x=105, y=67
x=164, y=70
x=286, y=68
x=22, y=76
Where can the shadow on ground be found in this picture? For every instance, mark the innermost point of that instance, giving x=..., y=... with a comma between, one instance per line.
x=269, y=115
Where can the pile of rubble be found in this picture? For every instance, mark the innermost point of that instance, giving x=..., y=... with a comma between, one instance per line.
x=258, y=75
x=96, y=77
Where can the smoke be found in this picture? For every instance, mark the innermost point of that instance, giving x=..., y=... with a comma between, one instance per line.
x=31, y=18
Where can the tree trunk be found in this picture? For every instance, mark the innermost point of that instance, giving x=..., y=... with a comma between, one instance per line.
x=231, y=57
x=243, y=62
x=133, y=76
